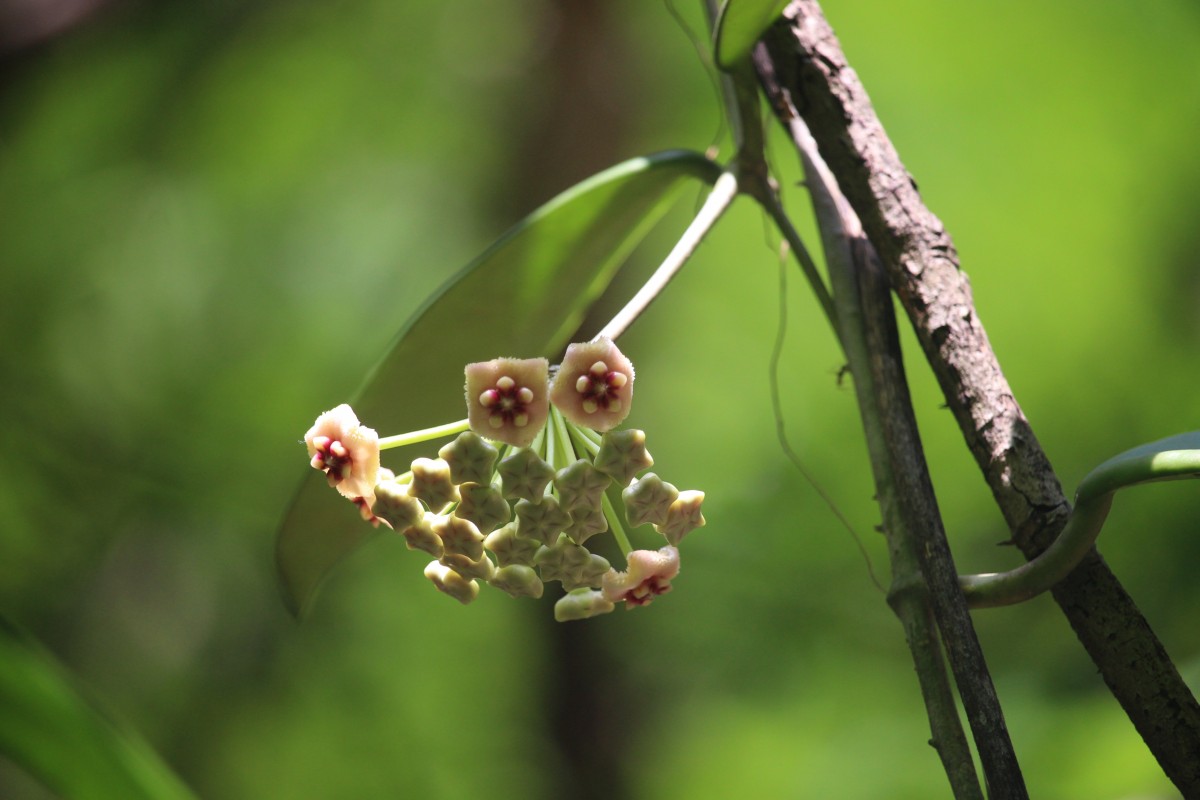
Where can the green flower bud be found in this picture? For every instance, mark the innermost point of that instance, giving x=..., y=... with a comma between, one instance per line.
x=581, y=604
x=396, y=506
x=459, y=536
x=542, y=520
x=648, y=500
x=623, y=454
x=683, y=517
x=524, y=475
x=421, y=536
x=471, y=458
x=450, y=582
x=509, y=547
x=580, y=485
x=484, y=505
x=518, y=580
x=431, y=484
x=481, y=568
x=586, y=523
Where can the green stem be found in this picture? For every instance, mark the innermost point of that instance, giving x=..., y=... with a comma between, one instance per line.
x=909, y=594
x=614, y=524
x=416, y=437
x=718, y=201
x=1154, y=462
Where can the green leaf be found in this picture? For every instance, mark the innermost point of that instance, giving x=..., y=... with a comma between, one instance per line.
x=741, y=24
x=1167, y=459
x=524, y=297
x=48, y=728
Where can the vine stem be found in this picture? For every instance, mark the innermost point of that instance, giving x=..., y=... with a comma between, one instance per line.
x=423, y=435
x=718, y=201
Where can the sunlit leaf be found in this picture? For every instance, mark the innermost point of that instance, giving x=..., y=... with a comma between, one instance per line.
x=59, y=737
x=741, y=24
x=523, y=297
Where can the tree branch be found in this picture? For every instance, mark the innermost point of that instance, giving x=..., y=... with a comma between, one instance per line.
x=923, y=267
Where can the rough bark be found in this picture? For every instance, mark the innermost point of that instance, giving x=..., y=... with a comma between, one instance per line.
x=923, y=267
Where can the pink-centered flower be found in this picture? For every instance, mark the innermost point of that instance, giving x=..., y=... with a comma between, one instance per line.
x=347, y=452
x=594, y=385
x=649, y=575
x=507, y=398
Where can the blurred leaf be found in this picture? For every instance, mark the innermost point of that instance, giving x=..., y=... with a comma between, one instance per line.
x=47, y=727
x=523, y=297
x=1167, y=459
x=740, y=25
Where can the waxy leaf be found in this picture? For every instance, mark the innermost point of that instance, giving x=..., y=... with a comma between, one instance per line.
x=60, y=738
x=524, y=297
x=741, y=24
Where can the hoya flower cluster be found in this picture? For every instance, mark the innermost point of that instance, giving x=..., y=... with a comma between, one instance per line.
x=516, y=500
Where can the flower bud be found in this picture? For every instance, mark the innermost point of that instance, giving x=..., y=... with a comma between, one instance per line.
x=450, y=582
x=470, y=457
x=581, y=604
x=518, y=580
x=431, y=484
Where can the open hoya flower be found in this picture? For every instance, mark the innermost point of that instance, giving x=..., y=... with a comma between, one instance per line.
x=507, y=398
x=529, y=510
x=649, y=575
x=347, y=452
x=594, y=385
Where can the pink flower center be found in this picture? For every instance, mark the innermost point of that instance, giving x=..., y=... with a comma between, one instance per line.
x=332, y=458
x=507, y=403
x=647, y=590
x=599, y=388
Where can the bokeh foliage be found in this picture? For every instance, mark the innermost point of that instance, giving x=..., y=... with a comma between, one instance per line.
x=213, y=217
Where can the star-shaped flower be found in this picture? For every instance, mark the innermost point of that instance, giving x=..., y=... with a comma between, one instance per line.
x=648, y=500
x=649, y=575
x=683, y=517
x=594, y=385
x=580, y=485
x=581, y=604
x=450, y=582
x=471, y=458
x=623, y=454
x=510, y=548
x=525, y=475
x=542, y=520
x=508, y=398
x=431, y=484
x=518, y=580
x=347, y=452
x=484, y=505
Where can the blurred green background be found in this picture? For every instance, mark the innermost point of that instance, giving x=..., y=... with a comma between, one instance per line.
x=214, y=216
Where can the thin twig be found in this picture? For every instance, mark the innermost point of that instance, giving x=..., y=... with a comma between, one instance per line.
x=719, y=199
x=922, y=264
